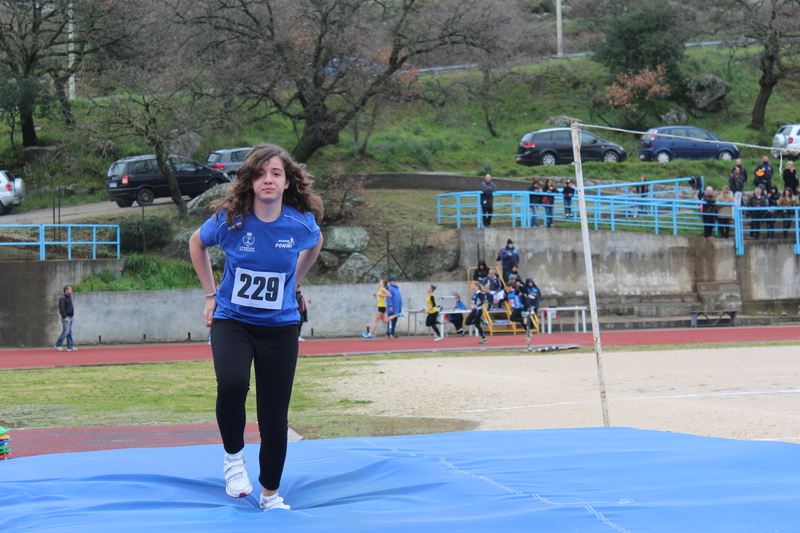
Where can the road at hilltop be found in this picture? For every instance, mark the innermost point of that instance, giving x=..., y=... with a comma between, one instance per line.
x=73, y=213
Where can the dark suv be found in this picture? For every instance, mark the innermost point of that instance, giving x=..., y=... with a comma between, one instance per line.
x=554, y=147
x=139, y=178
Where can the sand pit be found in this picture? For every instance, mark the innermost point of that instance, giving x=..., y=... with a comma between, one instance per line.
x=741, y=393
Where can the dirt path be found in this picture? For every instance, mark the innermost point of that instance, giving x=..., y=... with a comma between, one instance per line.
x=78, y=212
x=741, y=393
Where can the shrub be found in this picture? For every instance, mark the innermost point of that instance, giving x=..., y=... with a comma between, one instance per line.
x=157, y=234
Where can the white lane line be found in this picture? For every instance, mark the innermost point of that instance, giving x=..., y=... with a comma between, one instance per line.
x=677, y=396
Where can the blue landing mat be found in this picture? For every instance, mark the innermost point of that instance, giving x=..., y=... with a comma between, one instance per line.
x=584, y=480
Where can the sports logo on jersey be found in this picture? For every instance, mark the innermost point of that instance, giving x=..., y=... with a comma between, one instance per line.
x=284, y=243
x=248, y=241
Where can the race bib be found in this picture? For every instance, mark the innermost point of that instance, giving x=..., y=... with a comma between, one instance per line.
x=263, y=290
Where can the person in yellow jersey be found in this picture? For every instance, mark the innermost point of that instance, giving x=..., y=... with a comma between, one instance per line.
x=431, y=320
x=380, y=314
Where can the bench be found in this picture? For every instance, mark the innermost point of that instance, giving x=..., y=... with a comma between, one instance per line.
x=719, y=314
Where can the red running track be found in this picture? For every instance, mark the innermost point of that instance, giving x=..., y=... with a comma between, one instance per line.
x=27, y=442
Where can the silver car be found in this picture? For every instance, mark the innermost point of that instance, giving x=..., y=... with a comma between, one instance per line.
x=12, y=191
x=227, y=160
x=787, y=141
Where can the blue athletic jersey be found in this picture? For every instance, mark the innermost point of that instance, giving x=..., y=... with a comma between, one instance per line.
x=258, y=285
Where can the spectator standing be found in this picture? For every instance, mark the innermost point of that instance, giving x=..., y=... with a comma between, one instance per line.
x=509, y=257
x=742, y=170
x=773, y=198
x=736, y=183
x=67, y=312
x=725, y=212
x=757, y=200
x=787, y=199
x=482, y=272
x=395, y=306
x=534, y=294
x=487, y=199
x=709, y=212
x=303, y=310
x=478, y=300
x=535, y=200
x=547, y=202
x=790, y=177
x=568, y=191
x=640, y=191
x=763, y=174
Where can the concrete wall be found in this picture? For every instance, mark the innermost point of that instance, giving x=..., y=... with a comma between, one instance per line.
x=628, y=266
x=30, y=291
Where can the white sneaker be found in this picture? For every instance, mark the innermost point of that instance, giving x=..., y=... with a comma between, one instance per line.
x=438, y=339
x=237, y=483
x=72, y=349
x=268, y=503
x=300, y=339
x=59, y=348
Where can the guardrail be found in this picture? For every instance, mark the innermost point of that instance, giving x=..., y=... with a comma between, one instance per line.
x=76, y=235
x=655, y=211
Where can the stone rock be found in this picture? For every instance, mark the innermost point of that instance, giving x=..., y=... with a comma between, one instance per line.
x=708, y=91
x=674, y=116
x=186, y=144
x=103, y=147
x=328, y=260
x=344, y=239
x=179, y=249
x=560, y=122
x=42, y=154
x=206, y=204
x=358, y=265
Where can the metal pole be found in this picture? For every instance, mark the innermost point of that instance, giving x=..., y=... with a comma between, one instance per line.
x=559, y=33
x=587, y=257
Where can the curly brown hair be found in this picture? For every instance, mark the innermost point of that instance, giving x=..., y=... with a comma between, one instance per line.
x=298, y=194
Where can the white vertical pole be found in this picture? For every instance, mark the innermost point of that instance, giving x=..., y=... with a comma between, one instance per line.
x=71, y=48
x=587, y=257
x=559, y=33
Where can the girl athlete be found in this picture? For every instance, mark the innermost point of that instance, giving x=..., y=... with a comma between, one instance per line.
x=380, y=314
x=267, y=228
x=433, y=313
x=478, y=299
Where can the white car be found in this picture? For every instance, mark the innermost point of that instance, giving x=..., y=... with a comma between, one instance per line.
x=787, y=142
x=12, y=191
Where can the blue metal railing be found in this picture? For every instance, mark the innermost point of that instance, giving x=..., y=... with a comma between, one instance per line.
x=661, y=211
x=76, y=235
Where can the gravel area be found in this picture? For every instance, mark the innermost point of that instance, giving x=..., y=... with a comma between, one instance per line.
x=742, y=393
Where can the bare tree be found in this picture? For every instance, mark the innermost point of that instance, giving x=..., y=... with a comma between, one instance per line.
x=48, y=41
x=772, y=26
x=320, y=62
x=159, y=90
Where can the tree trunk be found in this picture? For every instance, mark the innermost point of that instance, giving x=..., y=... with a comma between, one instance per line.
x=162, y=158
x=28, y=128
x=760, y=107
x=314, y=137
x=63, y=100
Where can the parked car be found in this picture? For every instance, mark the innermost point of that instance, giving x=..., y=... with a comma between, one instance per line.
x=788, y=140
x=139, y=179
x=228, y=160
x=12, y=191
x=553, y=146
x=699, y=144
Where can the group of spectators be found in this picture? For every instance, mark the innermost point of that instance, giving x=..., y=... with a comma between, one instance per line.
x=546, y=201
x=765, y=195
x=523, y=296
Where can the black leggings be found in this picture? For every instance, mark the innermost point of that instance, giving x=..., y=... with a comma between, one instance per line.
x=273, y=352
x=474, y=318
x=430, y=321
